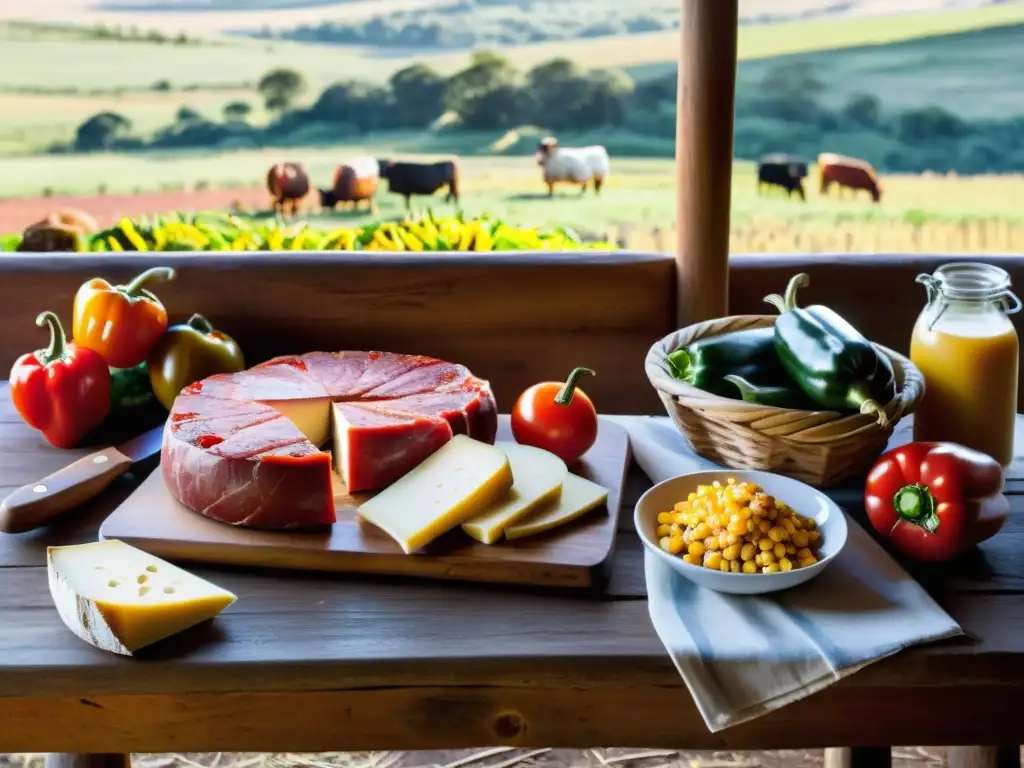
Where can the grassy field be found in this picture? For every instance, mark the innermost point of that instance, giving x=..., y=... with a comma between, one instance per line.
x=918, y=213
x=976, y=72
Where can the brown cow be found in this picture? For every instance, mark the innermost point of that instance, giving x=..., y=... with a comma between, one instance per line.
x=288, y=184
x=848, y=173
x=354, y=182
x=60, y=230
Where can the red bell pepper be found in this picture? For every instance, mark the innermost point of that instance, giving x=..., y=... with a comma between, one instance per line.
x=932, y=501
x=64, y=390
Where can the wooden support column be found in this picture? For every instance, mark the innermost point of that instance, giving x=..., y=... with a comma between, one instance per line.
x=704, y=136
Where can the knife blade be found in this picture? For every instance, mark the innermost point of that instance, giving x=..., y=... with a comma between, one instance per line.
x=35, y=504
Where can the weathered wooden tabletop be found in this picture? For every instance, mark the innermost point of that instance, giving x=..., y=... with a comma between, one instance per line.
x=322, y=663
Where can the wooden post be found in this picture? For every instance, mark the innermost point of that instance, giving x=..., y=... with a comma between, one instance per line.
x=704, y=135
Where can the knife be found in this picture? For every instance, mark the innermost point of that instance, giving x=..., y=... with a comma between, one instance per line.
x=37, y=503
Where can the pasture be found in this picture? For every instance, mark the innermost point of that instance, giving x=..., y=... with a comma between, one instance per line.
x=54, y=79
x=917, y=213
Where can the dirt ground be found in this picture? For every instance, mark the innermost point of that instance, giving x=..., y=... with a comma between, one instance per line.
x=504, y=757
x=16, y=214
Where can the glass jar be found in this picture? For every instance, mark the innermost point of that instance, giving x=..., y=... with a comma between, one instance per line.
x=967, y=349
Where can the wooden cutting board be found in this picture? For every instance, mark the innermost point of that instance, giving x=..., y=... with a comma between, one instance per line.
x=577, y=554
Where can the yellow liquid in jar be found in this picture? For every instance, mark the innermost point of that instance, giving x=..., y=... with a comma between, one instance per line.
x=970, y=365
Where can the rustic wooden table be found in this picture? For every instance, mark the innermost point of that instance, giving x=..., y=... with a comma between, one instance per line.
x=322, y=663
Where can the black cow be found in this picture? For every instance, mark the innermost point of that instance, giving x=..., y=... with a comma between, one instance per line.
x=782, y=171
x=408, y=179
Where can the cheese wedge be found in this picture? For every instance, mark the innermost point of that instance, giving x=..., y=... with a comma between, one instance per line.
x=120, y=599
x=538, y=479
x=458, y=481
x=312, y=417
x=579, y=496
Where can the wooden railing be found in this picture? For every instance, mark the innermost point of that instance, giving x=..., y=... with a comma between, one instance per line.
x=514, y=317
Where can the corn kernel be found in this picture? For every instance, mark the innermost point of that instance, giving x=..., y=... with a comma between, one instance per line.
x=800, y=538
x=675, y=528
x=748, y=550
x=712, y=559
x=803, y=553
x=808, y=522
x=711, y=543
x=737, y=527
x=664, y=518
x=813, y=536
x=806, y=561
x=697, y=548
x=675, y=545
x=682, y=506
x=693, y=559
x=724, y=566
x=764, y=526
x=777, y=533
x=779, y=550
x=789, y=526
x=734, y=566
x=749, y=567
x=765, y=544
x=790, y=549
x=773, y=568
x=785, y=564
x=702, y=531
x=680, y=519
x=732, y=552
x=767, y=558
x=663, y=530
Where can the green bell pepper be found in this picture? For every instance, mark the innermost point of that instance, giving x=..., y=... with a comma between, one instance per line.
x=780, y=395
x=749, y=353
x=129, y=387
x=832, y=362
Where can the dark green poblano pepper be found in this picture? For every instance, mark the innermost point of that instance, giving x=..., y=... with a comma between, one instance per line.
x=832, y=362
x=749, y=353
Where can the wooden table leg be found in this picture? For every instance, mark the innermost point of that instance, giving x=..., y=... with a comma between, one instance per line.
x=61, y=760
x=858, y=757
x=983, y=757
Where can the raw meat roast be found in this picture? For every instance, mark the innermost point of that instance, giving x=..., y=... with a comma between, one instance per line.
x=245, y=448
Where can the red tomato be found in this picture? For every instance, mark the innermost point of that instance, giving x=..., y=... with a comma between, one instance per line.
x=556, y=417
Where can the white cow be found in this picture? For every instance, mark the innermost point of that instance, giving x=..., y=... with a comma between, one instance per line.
x=573, y=165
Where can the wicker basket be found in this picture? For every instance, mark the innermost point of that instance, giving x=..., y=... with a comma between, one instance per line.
x=817, y=447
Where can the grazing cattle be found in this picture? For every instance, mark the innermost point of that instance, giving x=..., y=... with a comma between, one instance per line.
x=59, y=231
x=354, y=182
x=848, y=173
x=573, y=165
x=408, y=179
x=288, y=184
x=782, y=171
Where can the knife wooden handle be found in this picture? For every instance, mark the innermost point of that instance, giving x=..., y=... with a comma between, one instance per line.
x=33, y=505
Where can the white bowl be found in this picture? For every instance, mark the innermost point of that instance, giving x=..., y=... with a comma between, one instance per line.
x=804, y=499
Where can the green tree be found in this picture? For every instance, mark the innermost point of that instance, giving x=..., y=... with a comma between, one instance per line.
x=187, y=115
x=863, y=109
x=486, y=72
x=237, y=111
x=100, y=130
x=418, y=91
x=280, y=88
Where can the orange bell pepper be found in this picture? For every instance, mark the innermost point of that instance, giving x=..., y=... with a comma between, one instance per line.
x=123, y=322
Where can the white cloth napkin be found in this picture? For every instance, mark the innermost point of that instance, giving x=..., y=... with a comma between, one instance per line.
x=742, y=657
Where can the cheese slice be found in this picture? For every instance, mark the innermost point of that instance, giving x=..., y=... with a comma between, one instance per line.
x=120, y=599
x=579, y=496
x=538, y=479
x=456, y=482
x=312, y=417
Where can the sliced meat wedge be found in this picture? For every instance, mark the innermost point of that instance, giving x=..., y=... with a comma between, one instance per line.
x=263, y=437
x=438, y=376
x=469, y=411
x=373, y=448
x=209, y=432
x=264, y=384
x=337, y=372
x=192, y=407
x=382, y=367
